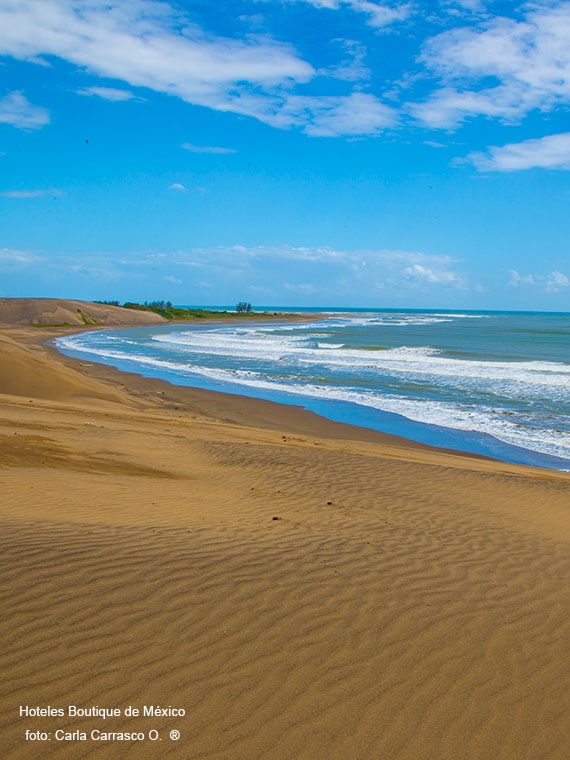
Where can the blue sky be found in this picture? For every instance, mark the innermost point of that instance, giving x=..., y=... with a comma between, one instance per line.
x=292, y=152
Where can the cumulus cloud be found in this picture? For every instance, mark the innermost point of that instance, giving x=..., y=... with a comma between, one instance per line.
x=325, y=254
x=526, y=60
x=427, y=274
x=280, y=273
x=518, y=279
x=16, y=109
x=551, y=152
x=553, y=282
x=493, y=66
x=381, y=14
x=178, y=187
x=330, y=116
x=339, y=272
x=449, y=107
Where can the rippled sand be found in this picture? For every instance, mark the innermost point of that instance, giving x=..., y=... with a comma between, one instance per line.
x=301, y=589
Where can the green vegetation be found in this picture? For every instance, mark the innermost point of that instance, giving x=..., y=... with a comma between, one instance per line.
x=86, y=320
x=168, y=311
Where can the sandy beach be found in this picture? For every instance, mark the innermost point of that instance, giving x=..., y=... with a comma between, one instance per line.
x=299, y=589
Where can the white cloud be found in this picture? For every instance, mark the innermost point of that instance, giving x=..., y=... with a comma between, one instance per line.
x=14, y=259
x=337, y=271
x=380, y=14
x=207, y=149
x=304, y=288
x=470, y=5
x=555, y=281
x=449, y=107
x=353, y=68
x=107, y=93
x=551, y=152
x=552, y=282
x=377, y=14
x=281, y=274
x=528, y=61
x=16, y=109
x=146, y=43
x=177, y=186
x=331, y=116
x=244, y=254
x=393, y=259
x=440, y=276
x=26, y=194
x=518, y=279
x=464, y=7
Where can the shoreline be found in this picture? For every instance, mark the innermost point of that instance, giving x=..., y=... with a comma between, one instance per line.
x=300, y=588
x=241, y=409
x=438, y=437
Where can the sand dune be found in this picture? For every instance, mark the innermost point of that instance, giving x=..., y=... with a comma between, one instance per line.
x=27, y=371
x=59, y=311
x=301, y=589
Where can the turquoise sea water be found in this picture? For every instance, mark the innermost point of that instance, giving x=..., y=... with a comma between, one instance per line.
x=494, y=383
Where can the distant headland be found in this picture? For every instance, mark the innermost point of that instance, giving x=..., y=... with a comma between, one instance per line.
x=61, y=312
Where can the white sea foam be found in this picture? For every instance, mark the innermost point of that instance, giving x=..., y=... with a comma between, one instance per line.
x=462, y=316
x=422, y=363
x=493, y=422
x=396, y=320
x=470, y=395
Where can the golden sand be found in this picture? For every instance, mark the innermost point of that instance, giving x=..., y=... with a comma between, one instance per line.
x=301, y=589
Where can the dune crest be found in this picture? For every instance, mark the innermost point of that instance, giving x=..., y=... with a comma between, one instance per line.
x=58, y=312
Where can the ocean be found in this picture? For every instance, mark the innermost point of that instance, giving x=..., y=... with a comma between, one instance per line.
x=491, y=383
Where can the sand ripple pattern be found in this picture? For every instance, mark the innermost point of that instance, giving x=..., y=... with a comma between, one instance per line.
x=303, y=596
x=372, y=620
